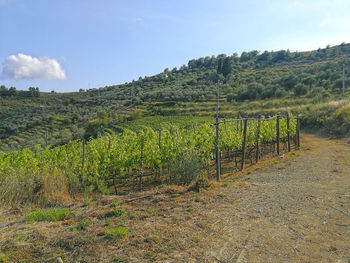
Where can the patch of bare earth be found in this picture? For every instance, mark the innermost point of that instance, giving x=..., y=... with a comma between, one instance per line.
x=297, y=210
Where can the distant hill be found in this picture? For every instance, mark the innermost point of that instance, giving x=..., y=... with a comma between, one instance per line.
x=31, y=117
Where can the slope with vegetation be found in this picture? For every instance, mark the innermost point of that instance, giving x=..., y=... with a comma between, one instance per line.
x=266, y=82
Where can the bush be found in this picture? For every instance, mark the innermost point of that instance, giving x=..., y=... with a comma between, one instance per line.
x=43, y=187
x=185, y=168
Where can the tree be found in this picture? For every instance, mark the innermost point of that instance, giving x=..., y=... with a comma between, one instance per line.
x=226, y=67
x=3, y=90
x=12, y=91
x=95, y=128
x=33, y=92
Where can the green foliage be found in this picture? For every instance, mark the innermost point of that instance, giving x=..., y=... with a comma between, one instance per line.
x=150, y=212
x=117, y=233
x=47, y=175
x=3, y=258
x=95, y=128
x=115, y=212
x=185, y=168
x=83, y=225
x=49, y=214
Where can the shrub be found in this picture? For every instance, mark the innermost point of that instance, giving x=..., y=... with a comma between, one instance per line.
x=185, y=168
x=41, y=187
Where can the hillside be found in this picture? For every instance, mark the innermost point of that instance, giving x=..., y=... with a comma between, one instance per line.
x=267, y=82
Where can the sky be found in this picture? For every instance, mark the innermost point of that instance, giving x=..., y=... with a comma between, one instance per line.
x=67, y=45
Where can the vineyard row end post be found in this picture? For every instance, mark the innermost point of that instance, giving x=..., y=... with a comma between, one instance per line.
x=244, y=143
x=141, y=167
x=218, y=162
x=288, y=134
x=278, y=134
x=83, y=157
x=298, y=133
x=257, y=142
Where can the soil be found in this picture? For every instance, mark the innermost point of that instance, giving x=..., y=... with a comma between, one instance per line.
x=294, y=208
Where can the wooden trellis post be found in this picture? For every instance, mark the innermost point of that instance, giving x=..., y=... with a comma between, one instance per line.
x=257, y=142
x=298, y=133
x=278, y=134
x=244, y=143
x=141, y=164
x=218, y=161
x=83, y=157
x=288, y=133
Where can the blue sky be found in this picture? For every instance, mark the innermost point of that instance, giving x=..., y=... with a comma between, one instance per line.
x=71, y=44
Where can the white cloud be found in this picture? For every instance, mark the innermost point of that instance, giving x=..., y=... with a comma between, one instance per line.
x=26, y=67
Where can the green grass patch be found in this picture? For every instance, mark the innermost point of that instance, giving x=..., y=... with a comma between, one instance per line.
x=117, y=232
x=115, y=212
x=83, y=225
x=49, y=214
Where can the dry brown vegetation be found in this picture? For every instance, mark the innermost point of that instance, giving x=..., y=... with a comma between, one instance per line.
x=290, y=209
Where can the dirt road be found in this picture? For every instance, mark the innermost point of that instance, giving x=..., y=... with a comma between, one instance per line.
x=294, y=211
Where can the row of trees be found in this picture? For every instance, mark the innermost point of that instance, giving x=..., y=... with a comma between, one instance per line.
x=13, y=92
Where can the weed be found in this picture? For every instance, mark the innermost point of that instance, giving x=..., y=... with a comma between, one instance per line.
x=108, y=223
x=115, y=212
x=132, y=215
x=161, y=186
x=18, y=236
x=82, y=225
x=150, y=239
x=274, y=162
x=190, y=209
x=175, y=218
x=293, y=154
x=249, y=171
x=50, y=214
x=117, y=232
x=150, y=212
x=115, y=203
x=3, y=258
x=226, y=184
x=118, y=259
x=87, y=201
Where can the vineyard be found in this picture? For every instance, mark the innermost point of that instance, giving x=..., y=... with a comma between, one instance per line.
x=118, y=161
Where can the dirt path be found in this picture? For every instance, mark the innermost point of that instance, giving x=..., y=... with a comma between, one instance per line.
x=295, y=211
